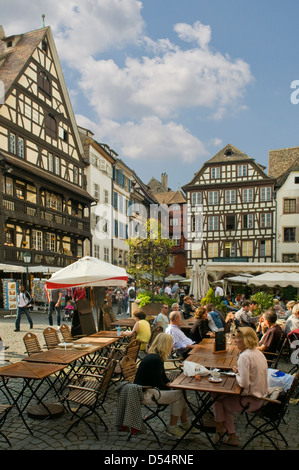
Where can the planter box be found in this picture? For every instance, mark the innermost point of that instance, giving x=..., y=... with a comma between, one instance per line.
x=152, y=309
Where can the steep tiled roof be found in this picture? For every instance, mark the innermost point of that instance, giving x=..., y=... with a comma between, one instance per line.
x=170, y=197
x=12, y=60
x=229, y=153
x=282, y=178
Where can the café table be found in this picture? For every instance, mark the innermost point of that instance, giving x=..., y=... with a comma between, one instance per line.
x=204, y=354
x=33, y=375
x=206, y=393
x=187, y=324
x=127, y=322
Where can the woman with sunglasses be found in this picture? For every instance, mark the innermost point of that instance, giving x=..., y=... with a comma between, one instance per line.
x=252, y=376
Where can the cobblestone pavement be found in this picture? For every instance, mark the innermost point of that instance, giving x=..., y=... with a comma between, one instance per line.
x=49, y=434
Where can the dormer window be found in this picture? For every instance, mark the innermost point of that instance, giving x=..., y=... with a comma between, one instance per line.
x=228, y=153
x=44, y=46
x=44, y=84
x=9, y=44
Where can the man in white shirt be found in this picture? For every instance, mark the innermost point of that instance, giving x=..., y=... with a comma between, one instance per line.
x=180, y=340
x=167, y=290
x=24, y=299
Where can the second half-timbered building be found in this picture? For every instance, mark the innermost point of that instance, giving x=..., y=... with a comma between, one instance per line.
x=231, y=210
x=45, y=208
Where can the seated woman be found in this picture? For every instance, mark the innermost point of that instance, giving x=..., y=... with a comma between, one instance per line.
x=187, y=309
x=142, y=328
x=201, y=327
x=151, y=372
x=252, y=376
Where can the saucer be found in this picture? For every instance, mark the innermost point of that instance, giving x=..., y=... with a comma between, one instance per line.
x=215, y=381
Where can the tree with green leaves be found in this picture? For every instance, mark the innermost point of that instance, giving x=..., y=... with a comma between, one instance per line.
x=149, y=255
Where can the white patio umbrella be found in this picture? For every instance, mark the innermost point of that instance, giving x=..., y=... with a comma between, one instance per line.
x=281, y=279
x=204, y=280
x=88, y=272
x=195, y=286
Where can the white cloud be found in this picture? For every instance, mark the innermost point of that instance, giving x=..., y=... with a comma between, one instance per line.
x=198, y=32
x=80, y=28
x=150, y=139
x=167, y=83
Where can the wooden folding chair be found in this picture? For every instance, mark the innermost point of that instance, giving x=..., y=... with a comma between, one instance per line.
x=32, y=344
x=89, y=394
x=129, y=369
x=156, y=331
x=274, y=358
x=51, y=337
x=4, y=410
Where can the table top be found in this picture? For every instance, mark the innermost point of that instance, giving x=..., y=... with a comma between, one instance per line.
x=187, y=324
x=124, y=322
x=60, y=355
x=228, y=385
x=100, y=342
x=30, y=370
x=105, y=334
x=204, y=354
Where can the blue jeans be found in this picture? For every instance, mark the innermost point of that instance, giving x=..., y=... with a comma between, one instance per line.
x=50, y=313
x=19, y=314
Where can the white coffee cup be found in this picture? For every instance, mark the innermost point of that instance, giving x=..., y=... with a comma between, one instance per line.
x=215, y=375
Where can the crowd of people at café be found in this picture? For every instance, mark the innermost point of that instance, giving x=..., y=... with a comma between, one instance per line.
x=254, y=336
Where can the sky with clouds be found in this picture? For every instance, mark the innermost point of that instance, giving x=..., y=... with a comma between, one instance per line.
x=168, y=83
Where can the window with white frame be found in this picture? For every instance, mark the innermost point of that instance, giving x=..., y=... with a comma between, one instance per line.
x=230, y=196
x=265, y=248
x=96, y=191
x=247, y=195
x=265, y=220
x=248, y=220
x=213, y=222
x=50, y=241
x=215, y=172
x=247, y=248
x=37, y=240
x=106, y=254
x=213, y=197
x=229, y=249
x=213, y=249
x=242, y=170
x=265, y=193
x=196, y=198
x=96, y=250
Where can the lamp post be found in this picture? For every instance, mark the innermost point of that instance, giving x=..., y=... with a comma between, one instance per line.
x=27, y=260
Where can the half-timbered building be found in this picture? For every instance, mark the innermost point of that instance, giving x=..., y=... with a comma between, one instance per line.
x=44, y=205
x=231, y=211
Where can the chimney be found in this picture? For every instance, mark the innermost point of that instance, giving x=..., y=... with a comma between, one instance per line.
x=164, y=181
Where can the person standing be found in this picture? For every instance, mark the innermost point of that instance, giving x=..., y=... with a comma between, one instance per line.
x=54, y=304
x=24, y=299
x=131, y=297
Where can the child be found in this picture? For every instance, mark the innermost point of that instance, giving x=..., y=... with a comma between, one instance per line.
x=68, y=310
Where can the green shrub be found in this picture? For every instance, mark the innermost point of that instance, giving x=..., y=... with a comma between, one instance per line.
x=264, y=300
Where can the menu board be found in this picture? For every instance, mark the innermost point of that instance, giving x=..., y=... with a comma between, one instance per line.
x=38, y=290
x=220, y=341
x=10, y=293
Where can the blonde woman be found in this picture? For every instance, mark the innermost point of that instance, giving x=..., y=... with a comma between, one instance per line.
x=151, y=373
x=252, y=376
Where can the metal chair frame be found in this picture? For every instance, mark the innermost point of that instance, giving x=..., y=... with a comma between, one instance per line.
x=89, y=393
x=267, y=426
